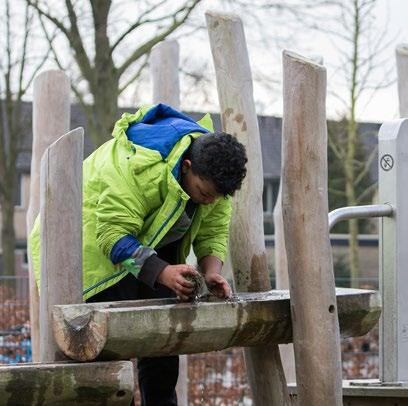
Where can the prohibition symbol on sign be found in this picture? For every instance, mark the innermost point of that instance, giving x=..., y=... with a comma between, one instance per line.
x=387, y=162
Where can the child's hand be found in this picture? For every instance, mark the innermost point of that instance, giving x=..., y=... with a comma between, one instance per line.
x=173, y=276
x=217, y=285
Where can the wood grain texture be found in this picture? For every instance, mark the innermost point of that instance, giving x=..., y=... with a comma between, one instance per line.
x=61, y=233
x=247, y=245
x=316, y=336
x=238, y=117
x=68, y=384
x=161, y=327
x=51, y=118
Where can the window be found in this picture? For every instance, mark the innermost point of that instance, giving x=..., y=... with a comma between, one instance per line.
x=270, y=194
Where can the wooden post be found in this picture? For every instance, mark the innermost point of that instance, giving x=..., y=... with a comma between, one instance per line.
x=164, y=64
x=282, y=281
x=247, y=241
x=61, y=233
x=51, y=117
x=316, y=336
x=402, y=70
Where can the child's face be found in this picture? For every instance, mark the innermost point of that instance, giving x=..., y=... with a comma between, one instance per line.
x=200, y=190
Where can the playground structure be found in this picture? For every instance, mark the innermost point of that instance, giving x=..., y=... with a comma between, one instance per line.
x=258, y=318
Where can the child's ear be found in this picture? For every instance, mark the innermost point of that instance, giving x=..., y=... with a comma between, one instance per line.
x=185, y=166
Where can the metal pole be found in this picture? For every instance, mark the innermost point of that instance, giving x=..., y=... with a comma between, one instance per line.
x=352, y=212
x=393, y=169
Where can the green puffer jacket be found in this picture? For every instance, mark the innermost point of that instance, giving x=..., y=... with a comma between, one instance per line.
x=130, y=190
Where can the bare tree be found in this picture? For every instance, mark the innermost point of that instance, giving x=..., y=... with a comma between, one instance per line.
x=18, y=67
x=117, y=53
x=360, y=46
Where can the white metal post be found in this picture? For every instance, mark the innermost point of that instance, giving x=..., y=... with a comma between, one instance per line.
x=393, y=171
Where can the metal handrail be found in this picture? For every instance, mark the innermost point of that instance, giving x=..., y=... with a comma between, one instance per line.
x=352, y=212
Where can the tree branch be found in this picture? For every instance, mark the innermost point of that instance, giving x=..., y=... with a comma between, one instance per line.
x=367, y=192
x=147, y=46
x=337, y=192
x=139, y=22
x=55, y=21
x=367, y=165
x=136, y=75
x=337, y=150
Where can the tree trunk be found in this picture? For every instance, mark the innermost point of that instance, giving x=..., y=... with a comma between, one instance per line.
x=351, y=149
x=105, y=110
x=351, y=197
x=8, y=237
x=353, y=253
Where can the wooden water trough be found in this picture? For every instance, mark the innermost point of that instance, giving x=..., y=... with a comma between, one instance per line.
x=159, y=327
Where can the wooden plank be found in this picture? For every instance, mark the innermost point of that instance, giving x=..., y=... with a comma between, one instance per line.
x=402, y=71
x=51, y=117
x=61, y=233
x=68, y=384
x=316, y=338
x=247, y=245
x=123, y=330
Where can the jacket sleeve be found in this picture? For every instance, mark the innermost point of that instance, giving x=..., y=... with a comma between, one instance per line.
x=121, y=210
x=212, y=236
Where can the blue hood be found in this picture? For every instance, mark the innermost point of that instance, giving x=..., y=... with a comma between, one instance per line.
x=161, y=128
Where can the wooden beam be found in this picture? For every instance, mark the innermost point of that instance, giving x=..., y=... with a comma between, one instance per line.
x=51, y=118
x=316, y=336
x=160, y=327
x=61, y=233
x=402, y=71
x=247, y=245
x=68, y=384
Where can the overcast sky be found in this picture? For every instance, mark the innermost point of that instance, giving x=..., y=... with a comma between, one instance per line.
x=265, y=58
x=380, y=106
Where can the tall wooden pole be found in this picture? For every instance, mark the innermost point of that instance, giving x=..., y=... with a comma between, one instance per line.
x=247, y=241
x=164, y=64
x=51, y=118
x=316, y=337
x=402, y=70
x=282, y=281
x=61, y=233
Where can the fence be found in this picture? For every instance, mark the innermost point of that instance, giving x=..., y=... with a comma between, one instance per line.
x=217, y=378
x=15, y=343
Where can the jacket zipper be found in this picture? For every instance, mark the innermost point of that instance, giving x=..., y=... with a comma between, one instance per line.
x=151, y=241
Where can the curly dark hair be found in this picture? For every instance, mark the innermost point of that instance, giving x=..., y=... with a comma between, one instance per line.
x=220, y=158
